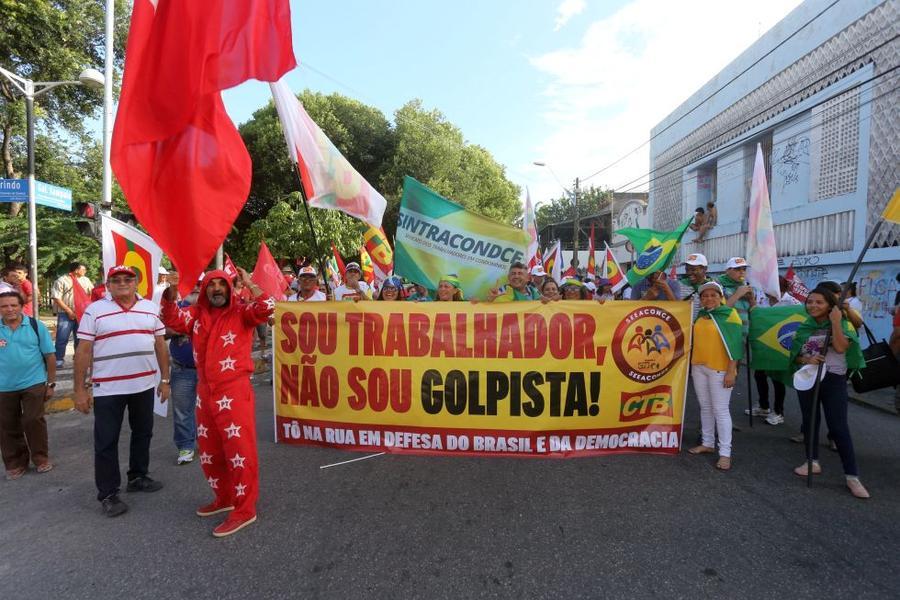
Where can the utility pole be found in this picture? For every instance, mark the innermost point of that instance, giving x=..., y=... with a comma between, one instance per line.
x=577, y=225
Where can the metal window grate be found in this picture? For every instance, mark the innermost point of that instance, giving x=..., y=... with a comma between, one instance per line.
x=839, y=146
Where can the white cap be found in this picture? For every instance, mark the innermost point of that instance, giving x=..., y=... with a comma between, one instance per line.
x=697, y=260
x=538, y=271
x=711, y=285
x=307, y=270
x=736, y=262
x=590, y=285
x=163, y=271
x=805, y=377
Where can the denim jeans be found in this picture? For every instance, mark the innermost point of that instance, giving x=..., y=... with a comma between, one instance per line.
x=184, y=401
x=64, y=328
x=833, y=402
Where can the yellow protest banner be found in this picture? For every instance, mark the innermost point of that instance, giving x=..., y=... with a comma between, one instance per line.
x=519, y=379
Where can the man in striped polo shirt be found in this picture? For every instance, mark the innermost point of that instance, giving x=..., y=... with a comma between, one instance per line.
x=121, y=338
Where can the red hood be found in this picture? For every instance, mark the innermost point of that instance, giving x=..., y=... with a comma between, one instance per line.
x=202, y=299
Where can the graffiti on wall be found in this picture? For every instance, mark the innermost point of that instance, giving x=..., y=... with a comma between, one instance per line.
x=788, y=160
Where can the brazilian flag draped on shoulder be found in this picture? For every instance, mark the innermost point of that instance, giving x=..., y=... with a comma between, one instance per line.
x=728, y=323
x=655, y=249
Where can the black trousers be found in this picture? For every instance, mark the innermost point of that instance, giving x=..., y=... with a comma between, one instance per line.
x=762, y=386
x=108, y=414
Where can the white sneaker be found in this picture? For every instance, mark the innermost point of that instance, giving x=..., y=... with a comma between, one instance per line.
x=775, y=419
x=757, y=411
x=185, y=456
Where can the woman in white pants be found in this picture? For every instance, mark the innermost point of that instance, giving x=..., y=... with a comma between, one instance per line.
x=714, y=360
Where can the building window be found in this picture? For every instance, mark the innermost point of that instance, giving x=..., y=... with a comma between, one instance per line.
x=835, y=126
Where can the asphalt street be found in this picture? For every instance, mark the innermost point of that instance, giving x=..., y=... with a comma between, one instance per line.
x=424, y=527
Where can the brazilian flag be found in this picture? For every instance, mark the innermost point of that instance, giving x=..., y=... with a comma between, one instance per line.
x=655, y=249
x=728, y=324
x=772, y=330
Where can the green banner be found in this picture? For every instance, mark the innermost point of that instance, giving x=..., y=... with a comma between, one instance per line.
x=437, y=237
x=655, y=249
x=772, y=330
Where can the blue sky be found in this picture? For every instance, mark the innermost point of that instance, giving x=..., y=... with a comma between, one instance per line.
x=574, y=83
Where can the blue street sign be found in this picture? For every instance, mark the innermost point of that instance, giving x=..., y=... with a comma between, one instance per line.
x=13, y=190
x=45, y=194
x=53, y=196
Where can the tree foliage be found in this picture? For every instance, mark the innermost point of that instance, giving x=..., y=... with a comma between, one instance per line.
x=590, y=201
x=421, y=143
x=53, y=40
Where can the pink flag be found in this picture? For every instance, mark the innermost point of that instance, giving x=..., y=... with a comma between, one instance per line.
x=267, y=275
x=762, y=257
x=328, y=178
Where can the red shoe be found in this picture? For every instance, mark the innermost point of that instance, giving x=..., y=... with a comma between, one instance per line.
x=232, y=525
x=211, y=509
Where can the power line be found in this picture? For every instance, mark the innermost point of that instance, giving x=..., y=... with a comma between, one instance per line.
x=783, y=98
x=707, y=98
x=639, y=181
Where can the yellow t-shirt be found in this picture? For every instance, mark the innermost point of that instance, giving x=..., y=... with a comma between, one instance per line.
x=709, y=350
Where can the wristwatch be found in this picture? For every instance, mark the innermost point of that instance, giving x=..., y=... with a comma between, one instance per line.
x=166, y=381
x=51, y=384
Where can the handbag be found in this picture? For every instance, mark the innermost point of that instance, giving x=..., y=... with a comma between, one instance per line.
x=881, y=370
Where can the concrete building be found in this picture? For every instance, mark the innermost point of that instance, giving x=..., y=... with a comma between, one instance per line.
x=819, y=92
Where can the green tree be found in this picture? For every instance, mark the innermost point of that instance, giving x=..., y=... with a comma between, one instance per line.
x=285, y=231
x=52, y=40
x=591, y=201
x=362, y=134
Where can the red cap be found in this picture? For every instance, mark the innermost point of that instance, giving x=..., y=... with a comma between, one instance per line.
x=120, y=269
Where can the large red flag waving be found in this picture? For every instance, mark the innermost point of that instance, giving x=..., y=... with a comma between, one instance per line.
x=177, y=155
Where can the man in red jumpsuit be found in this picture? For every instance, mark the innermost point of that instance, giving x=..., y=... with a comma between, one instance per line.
x=221, y=331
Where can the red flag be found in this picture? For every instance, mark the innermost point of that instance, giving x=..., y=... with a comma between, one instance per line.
x=267, y=275
x=229, y=267
x=337, y=259
x=178, y=157
x=80, y=298
x=592, y=264
x=797, y=289
x=570, y=272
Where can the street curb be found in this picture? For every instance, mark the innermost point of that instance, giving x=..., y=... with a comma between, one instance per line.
x=862, y=401
x=59, y=405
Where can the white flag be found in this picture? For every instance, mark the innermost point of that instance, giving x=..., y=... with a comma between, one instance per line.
x=762, y=257
x=329, y=180
x=126, y=245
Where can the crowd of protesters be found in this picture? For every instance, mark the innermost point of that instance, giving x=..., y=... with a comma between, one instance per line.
x=132, y=352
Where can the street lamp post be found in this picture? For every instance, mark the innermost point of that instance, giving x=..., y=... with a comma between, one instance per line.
x=31, y=90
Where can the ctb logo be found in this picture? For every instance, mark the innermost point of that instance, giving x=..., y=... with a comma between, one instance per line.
x=652, y=402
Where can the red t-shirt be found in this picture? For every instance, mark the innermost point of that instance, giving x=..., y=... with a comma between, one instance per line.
x=27, y=290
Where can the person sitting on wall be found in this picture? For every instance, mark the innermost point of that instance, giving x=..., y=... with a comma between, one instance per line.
x=712, y=214
x=701, y=223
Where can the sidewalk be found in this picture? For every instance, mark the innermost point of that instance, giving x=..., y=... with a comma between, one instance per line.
x=879, y=399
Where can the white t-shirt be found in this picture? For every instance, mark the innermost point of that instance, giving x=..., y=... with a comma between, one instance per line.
x=124, y=345
x=158, y=291
x=317, y=296
x=346, y=293
x=856, y=304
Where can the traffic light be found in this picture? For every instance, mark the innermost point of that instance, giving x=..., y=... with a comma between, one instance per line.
x=88, y=219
